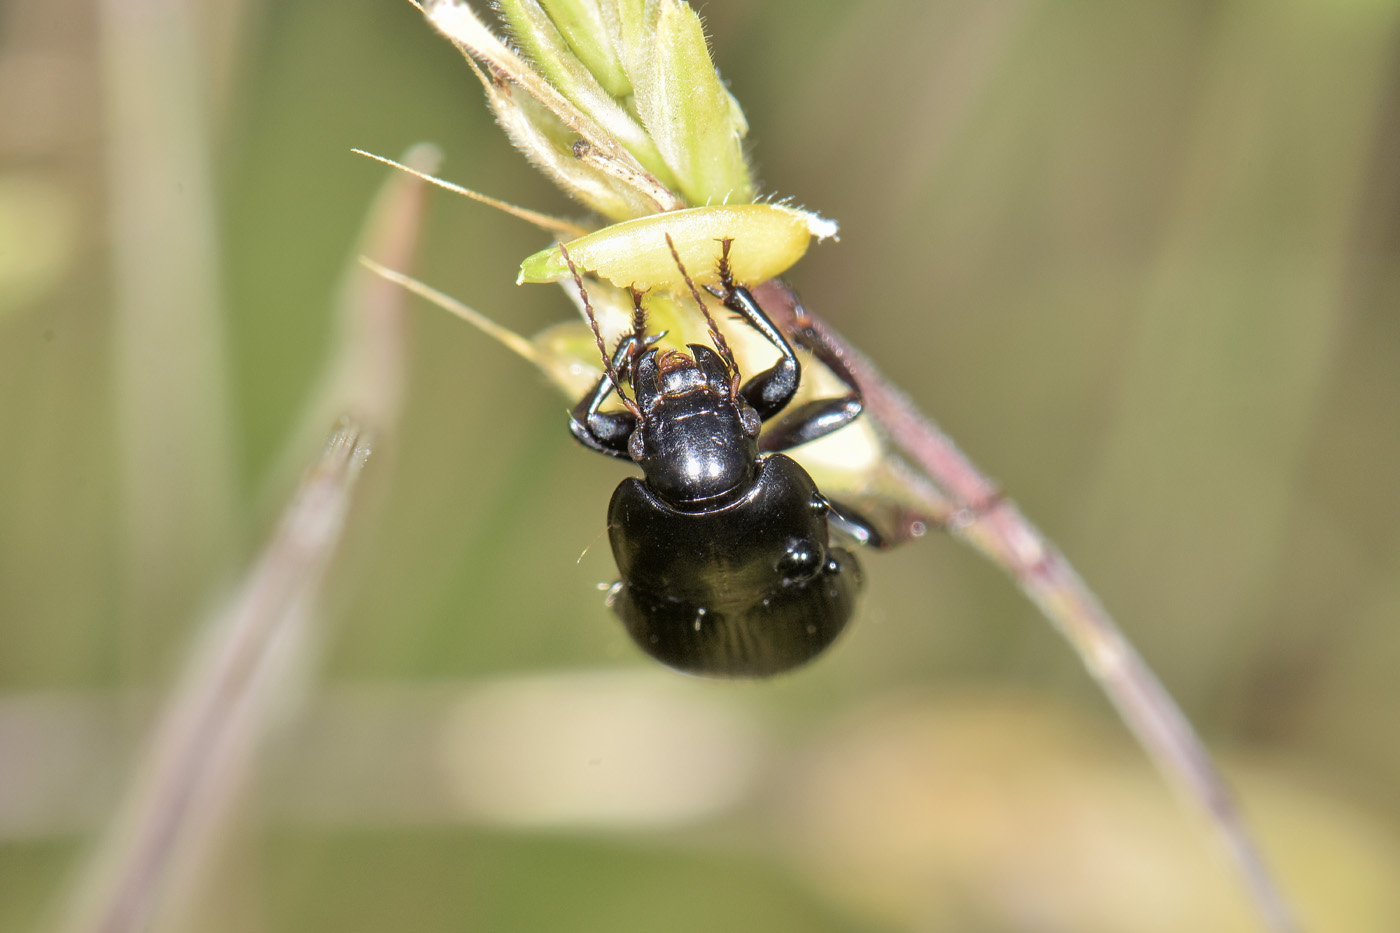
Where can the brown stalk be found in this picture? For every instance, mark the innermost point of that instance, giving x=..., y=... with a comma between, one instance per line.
x=993, y=525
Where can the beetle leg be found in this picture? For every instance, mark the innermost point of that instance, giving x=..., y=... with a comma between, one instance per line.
x=770, y=390
x=773, y=388
x=607, y=431
x=818, y=417
x=849, y=523
x=811, y=421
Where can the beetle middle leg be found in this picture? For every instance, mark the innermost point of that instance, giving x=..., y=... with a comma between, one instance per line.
x=819, y=417
x=847, y=521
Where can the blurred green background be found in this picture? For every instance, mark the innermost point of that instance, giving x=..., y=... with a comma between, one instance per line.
x=1141, y=260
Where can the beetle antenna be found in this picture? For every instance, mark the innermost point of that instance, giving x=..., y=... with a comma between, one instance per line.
x=720, y=343
x=639, y=332
x=639, y=316
x=608, y=366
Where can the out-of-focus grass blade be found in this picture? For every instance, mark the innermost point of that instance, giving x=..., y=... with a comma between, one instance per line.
x=365, y=376
x=170, y=371
x=998, y=529
x=248, y=654
x=201, y=749
x=1238, y=328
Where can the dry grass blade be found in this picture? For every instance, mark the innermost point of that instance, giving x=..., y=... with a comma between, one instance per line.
x=201, y=746
x=249, y=655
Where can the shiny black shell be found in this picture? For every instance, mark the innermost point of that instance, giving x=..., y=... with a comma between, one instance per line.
x=746, y=588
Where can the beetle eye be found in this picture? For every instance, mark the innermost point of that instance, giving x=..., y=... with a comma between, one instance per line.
x=750, y=421
x=636, y=447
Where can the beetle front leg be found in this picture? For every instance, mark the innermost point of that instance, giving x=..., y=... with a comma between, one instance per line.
x=607, y=432
x=771, y=390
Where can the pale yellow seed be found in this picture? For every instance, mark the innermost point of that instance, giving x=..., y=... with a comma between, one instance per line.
x=767, y=240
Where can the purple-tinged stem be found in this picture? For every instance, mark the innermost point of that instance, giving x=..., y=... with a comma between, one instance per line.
x=993, y=524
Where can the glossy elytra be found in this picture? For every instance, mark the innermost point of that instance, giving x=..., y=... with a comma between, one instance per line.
x=723, y=546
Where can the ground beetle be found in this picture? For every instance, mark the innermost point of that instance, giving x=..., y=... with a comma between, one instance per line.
x=723, y=551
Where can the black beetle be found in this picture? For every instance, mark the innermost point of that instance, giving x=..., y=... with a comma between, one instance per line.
x=723, y=552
